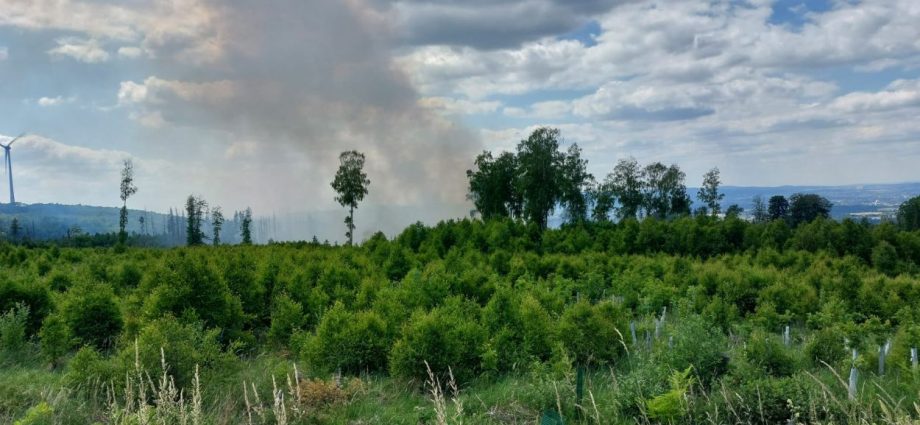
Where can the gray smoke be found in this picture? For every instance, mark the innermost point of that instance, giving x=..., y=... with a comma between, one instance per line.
x=301, y=81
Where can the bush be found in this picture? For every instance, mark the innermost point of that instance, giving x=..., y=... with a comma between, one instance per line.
x=88, y=369
x=592, y=333
x=352, y=342
x=183, y=346
x=287, y=316
x=826, y=345
x=767, y=353
x=695, y=345
x=885, y=258
x=445, y=337
x=92, y=314
x=13, y=328
x=59, y=281
x=56, y=339
x=186, y=286
x=40, y=414
x=36, y=297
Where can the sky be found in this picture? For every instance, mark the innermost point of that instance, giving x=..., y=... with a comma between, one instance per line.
x=249, y=103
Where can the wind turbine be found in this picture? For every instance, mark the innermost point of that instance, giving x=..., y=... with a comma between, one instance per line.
x=9, y=165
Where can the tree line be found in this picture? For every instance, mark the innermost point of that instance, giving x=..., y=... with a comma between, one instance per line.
x=531, y=183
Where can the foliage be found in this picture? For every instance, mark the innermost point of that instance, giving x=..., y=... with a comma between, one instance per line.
x=183, y=346
x=591, y=333
x=348, y=341
x=40, y=414
x=13, y=328
x=92, y=315
x=709, y=191
x=909, y=214
x=350, y=184
x=539, y=174
x=672, y=405
x=804, y=208
x=444, y=339
x=195, y=208
x=56, y=339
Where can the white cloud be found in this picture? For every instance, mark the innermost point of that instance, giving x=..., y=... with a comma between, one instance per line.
x=83, y=50
x=899, y=94
x=185, y=30
x=4, y=53
x=130, y=52
x=54, y=101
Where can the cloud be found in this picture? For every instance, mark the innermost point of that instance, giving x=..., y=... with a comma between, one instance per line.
x=4, y=53
x=491, y=24
x=54, y=101
x=899, y=94
x=71, y=173
x=182, y=30
x=130, y=52
x=83, y=50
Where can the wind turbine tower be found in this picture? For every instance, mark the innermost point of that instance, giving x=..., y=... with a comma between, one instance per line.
x=8, y=162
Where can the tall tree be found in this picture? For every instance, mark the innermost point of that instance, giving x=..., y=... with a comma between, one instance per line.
x=195, y=208
x=909, y=214
x=759, y=210
x=665, y=193
x=492, y=185
x=709, y=191
x=575, y=182
x=127, y=189
x=778, y=208
x=603, y=199
x=217, y=222
x=539, y=174
x=351, y=184
x=15, y=229
x=626, y=183
x=677, y=192
x=246, y=227
x=806, y=207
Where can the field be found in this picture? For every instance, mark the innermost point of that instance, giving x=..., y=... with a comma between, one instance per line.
x=695, y=320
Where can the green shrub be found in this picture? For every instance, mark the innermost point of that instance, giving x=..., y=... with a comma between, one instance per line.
x=827, y=346
x=183, y=346
x=59, y=281
x=33, y=295
x=13, y=328
x=352, y=342
x=127, y=275
x=767, y=353
x=92, y=314
x=591, y=333
x=885, y=258
x=695, y=345
x=287, y=316
x=672, y=405
x=56, y=339
x=186, y=286
x=88, y=369
x=40, y=414
x=445, y=337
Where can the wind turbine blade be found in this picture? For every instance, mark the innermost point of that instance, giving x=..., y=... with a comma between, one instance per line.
x=15, y=139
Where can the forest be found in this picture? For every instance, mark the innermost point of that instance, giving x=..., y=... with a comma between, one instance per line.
x=635, y=310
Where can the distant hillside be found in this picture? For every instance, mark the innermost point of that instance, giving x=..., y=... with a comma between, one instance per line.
x=53, y=221
x=847, y=200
